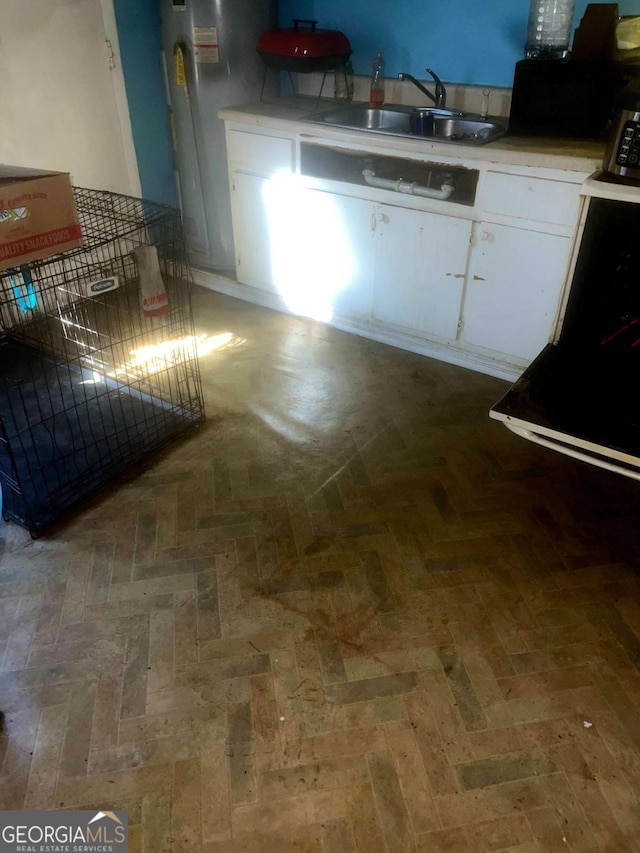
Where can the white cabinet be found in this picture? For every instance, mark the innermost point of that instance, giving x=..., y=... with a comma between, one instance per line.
x=344, y=251
x=313, y=248
x=518, y=263
x=379, y=262
x=251, y=233
x=260, y=175
x=477, y=280
x=321, y=245
x=259, y=153
x=420, y=264
x=531, y=198
x=514, y=284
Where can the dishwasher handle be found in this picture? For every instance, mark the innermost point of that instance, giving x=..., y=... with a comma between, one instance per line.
x=401, y=186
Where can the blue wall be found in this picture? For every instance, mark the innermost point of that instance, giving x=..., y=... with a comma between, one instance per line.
x=140, y=41
x=464, y=41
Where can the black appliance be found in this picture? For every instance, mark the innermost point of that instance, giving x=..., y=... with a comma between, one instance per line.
x=580, y=396
x=568, y=98
x=622, y=155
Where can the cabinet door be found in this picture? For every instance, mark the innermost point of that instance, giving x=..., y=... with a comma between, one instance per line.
x=322, y=247
x=252, y=238
x=420, y=266
x=341, y=251
x=514, y=286
x=313, y=248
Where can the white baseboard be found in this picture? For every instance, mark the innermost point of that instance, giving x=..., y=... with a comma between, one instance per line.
x=372, y=330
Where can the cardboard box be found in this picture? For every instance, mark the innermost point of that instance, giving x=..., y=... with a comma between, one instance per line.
x=38, y=216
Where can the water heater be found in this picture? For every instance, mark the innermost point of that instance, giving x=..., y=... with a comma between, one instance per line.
x=211, y=62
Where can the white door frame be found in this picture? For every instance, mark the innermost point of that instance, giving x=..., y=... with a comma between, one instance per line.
x=120, y=92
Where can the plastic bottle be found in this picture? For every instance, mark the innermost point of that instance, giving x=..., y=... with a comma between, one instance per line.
x=343, y=83
x=376, y=95
x=549, y=29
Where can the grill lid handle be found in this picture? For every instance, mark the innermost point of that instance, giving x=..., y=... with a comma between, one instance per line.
x=298, y=21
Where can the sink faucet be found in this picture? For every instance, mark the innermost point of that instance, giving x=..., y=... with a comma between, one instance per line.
x=440, y=97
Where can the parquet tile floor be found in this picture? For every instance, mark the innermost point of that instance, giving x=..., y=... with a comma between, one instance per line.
x=351, y=613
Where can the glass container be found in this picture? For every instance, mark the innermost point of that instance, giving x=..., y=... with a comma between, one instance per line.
x=343, y=83
x=549, y=29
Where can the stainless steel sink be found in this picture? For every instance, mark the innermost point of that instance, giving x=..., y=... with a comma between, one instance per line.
x=448, y=126
x=363, y=117
x=470, y=130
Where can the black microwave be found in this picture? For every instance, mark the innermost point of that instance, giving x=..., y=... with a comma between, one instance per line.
x=570, y=98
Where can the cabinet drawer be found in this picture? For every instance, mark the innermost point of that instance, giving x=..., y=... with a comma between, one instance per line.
x=255, y=152
x=537, y=199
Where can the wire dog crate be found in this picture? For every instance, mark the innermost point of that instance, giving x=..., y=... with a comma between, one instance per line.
x=90, y=385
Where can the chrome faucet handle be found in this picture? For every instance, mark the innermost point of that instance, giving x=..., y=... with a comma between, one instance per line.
x=404, y=76
x=441, y=92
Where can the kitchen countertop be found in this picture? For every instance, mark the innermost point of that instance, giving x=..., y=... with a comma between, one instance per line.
x=290, y=114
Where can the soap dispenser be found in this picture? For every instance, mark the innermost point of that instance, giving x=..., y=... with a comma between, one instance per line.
x=376, y=95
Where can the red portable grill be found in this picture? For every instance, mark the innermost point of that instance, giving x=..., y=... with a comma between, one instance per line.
x=304, y=48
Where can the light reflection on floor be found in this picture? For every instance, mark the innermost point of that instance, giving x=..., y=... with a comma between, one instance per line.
x=155, y=358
